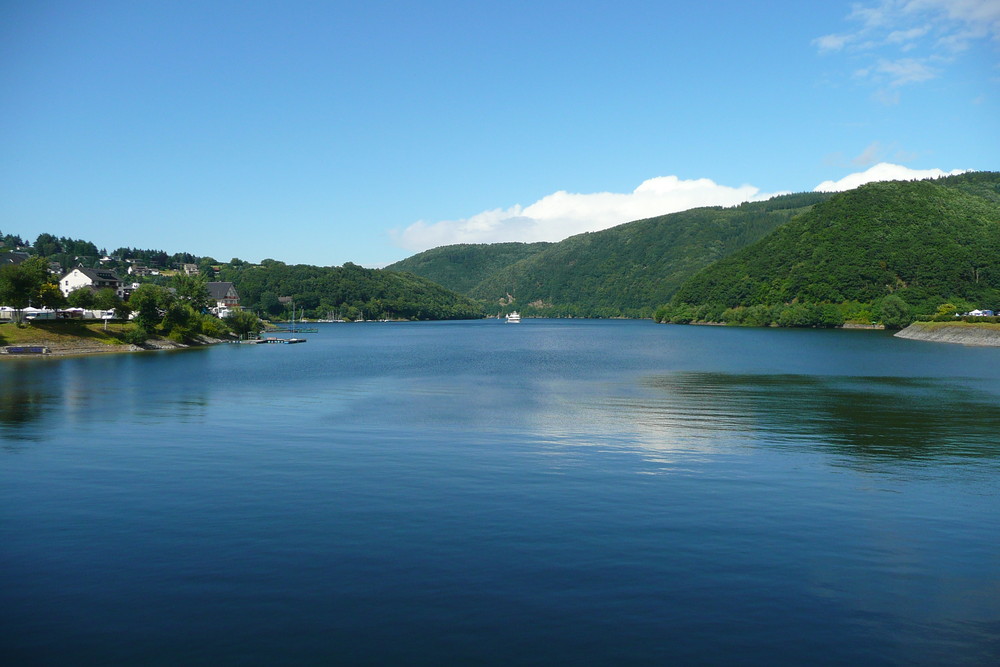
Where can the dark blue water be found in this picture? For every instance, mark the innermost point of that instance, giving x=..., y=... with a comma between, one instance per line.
x=555, y=492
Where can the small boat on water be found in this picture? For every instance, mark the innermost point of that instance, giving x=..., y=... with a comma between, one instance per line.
x=514, y=317
x=275, y=340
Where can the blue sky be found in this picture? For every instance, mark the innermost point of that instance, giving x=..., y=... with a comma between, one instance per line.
x=326, y=132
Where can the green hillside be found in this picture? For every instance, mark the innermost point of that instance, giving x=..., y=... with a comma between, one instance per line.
x=461, y=267
x=350, y=290
x=912, y=245
x=630, y=269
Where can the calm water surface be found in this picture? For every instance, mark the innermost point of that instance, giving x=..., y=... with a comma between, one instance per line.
x=585, y=492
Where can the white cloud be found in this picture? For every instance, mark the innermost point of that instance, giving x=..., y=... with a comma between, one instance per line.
x=975, y=19
x=931, y=32
x=562, y=214
x=835, y=42
x=901, y=72
x=883, y=171
x=906, y=36
x=872, y=17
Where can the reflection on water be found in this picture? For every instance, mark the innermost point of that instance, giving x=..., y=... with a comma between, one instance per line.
x=474, y=493
x=871, y=417
x=19, y=407
x=25, y=395
x=37, y=396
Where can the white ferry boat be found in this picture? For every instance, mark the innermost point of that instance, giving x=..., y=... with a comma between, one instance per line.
x=514, y=318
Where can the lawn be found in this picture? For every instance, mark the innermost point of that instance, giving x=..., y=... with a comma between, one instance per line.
x=61, y=333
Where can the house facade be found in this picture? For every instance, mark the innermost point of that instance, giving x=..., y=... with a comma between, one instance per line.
x=95, y=279
x=225, y=296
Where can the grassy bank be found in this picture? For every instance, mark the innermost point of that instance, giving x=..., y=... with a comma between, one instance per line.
x=62, y=333
x=962, y=333
x=75, y=337
x=958, y=324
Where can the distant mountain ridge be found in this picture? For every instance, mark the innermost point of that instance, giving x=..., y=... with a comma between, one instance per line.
x=627, y=270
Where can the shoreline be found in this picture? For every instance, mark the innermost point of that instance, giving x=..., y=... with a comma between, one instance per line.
x=960, y=333
x=81, y=347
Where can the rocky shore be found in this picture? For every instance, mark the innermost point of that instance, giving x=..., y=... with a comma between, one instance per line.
x=70, y=346
x=963, y=333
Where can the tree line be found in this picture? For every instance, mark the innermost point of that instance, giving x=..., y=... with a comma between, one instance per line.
x=269, y=288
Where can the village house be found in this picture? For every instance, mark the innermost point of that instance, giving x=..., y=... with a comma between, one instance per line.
x=126, y=289
x=12, y=257
x=190, y=269
x=225, y=296
x=95, y=279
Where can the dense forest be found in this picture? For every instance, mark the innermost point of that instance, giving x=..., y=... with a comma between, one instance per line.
x=628, y=270
x=349, y=291
x=889, y=252
x=462, y=266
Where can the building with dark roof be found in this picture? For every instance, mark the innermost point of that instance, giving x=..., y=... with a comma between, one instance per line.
x=13, y=257
x=94, y=279
x=224, y=295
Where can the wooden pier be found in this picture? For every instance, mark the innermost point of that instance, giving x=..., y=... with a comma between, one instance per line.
x=271, y=340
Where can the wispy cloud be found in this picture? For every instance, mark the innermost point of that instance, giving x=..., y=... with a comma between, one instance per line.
x=907, y=42
x=883, y=171
x=829, y=43
x=562, y=214
x=870, y=155
x=896, y=73
x=873, y=153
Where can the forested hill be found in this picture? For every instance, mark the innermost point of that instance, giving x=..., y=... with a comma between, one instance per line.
x=350, y=291
x=925, y=243
x=631, y=269
x=461, y=267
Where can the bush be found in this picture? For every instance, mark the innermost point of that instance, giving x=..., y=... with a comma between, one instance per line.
x=758, y=316
x=244, y=322
x=213, y=326
x=135, y=336
x=895, y=312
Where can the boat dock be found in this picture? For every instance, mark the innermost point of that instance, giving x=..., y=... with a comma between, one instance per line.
x=271, y=340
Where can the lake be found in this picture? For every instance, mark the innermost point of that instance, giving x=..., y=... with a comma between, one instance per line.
x=554, y=492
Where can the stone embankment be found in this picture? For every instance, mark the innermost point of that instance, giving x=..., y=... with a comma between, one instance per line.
x=79, y=346
x=964, y=333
